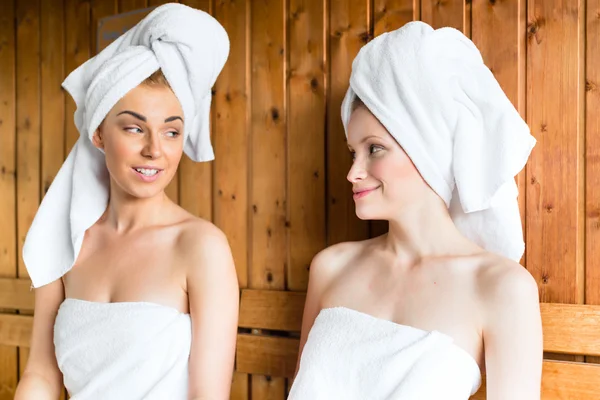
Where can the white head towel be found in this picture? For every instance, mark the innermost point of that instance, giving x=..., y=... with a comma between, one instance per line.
x=190, y=47
x=433, y=93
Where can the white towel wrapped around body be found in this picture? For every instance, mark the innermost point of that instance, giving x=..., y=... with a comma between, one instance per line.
x=190, y=47
x=354, y=356
x=129, y=351
x=431, y=90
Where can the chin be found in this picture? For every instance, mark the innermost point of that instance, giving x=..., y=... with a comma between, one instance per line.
x=369, y=212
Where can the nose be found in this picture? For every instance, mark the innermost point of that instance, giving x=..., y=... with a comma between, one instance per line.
x=357, y=172
x=152, y=148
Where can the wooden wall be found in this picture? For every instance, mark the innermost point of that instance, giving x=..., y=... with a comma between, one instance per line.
x=277, y=187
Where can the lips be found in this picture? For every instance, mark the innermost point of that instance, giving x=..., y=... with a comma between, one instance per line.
x=147, y=173
x=360, y=193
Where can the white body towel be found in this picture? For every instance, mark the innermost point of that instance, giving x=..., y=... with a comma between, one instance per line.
x=434, y=95
x=354, y=356
x=128, y=351
x=190, y=47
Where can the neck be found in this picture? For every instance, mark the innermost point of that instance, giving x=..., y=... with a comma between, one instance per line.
x=126, y=213
x=425, y=230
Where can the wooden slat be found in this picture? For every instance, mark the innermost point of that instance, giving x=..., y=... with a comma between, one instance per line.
x=266, y=387
x=231, y=149
x=77, y=51
x=15, y=330
x=348, y=32
x=497, y=32
x=8, y=183
x=306, y=138
x=553, y=224
x=444, y=13
x=270, y=309
x=268, y=147
x=16, y=294
x=266, y=355
x=392, y=14
x=239, y=386
x=579, y=323
x=52, y=96
x=564, y=380
x=99, y=10
x=153, y=3
x=196, y=179
x=592, y=174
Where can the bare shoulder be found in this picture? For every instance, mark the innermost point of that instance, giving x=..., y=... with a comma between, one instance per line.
x=202, y=243
x=331, y=261
x=504, y=283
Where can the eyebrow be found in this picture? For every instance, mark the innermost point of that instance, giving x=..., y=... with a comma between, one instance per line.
x=142, y=118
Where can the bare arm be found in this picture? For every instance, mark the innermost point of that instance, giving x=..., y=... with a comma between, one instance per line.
x=214, y=304
x=42, y=379
x=513, y=337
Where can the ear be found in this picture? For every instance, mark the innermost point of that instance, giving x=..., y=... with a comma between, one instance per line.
x=97, y=139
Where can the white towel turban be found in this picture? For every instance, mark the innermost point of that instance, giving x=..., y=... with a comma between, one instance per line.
x=190, y=47
x=434, y=95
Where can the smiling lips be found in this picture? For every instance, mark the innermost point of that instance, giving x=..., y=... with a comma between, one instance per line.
x=147, y=173
x=360, y=193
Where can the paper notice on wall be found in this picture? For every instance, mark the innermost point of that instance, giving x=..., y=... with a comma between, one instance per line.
x=110, y=28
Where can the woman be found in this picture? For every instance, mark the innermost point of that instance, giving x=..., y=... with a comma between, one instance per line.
x=135, y=297
x=419, y=312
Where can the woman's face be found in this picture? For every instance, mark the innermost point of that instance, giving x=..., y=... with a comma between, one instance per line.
x=142, y=137
x=383, y=177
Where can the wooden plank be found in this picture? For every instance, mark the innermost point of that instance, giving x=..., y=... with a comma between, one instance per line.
x=498, y=34
x=239, y=386
x=132, y=5
x=565, y=380
x=392, y=14
x=15, y=330
x=77, y=51
x=553, y=225
x=231, y=148
x=592, y=156
x=268, y=388
x=267, y=355
x=100, y=9
x=16, y=294
x=268, y=147
x=348, y=32
x=153, y=3
x=450, y=13
x=52, y=96
x=8, y=183
x=306, y=138
x=579, y=323
x=196, y=179
x=270, y=309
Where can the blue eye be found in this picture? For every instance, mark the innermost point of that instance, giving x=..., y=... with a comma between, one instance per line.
x=133, y=129
x=172, y=134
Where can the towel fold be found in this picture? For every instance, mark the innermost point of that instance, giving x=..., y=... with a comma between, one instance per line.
x=435, y=96
x=190, y=47
x=123, y=351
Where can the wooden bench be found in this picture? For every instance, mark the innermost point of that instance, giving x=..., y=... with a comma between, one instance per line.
x=568, y=329
x=273, y=320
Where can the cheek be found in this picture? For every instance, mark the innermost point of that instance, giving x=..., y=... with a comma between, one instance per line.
x=118, y=150
x=392, y=170
x=173, y=151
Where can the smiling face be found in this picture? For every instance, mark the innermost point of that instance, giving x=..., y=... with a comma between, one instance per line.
x=383, y=177
x=142, y=137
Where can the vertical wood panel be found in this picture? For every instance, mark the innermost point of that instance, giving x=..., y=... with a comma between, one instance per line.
x=496, y=31
x=450, y=13
x=392, y=14
x=28, y=127
x=195, y=179
x=268, y=152
x=239, y=387
x=267, y=163
x=553, y=115
x=348, y=32
x=131, y=5
x=100, y=9
x=306, y=138
x=154, y=3
x=231, y=159
x=268, y=388
x=77, y=51
x=52, y=96
x=592, y=262
x=8, y=188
